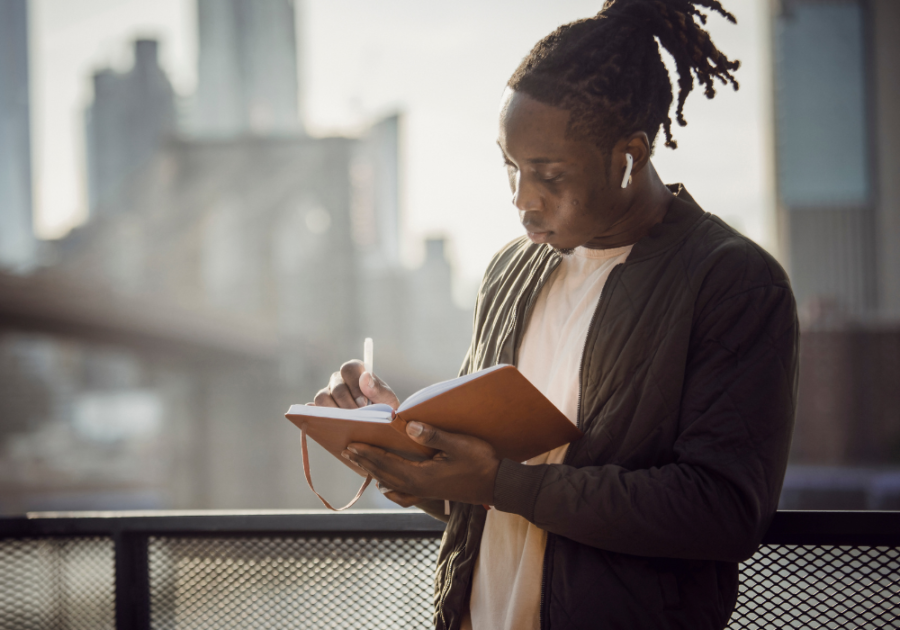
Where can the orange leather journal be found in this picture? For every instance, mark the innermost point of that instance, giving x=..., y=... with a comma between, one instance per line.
x=497, y=405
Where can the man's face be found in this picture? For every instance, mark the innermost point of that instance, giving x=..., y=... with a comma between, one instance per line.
x=561, y=186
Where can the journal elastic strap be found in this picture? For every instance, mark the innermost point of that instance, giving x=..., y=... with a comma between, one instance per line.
x=309, y=479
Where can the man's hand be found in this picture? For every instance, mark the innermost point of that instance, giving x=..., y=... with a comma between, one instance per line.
x=464, y=470
x=403, y=500
x=351, y=386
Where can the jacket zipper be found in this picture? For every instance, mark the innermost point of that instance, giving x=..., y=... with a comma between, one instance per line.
x=548, y=550
x=613, y=276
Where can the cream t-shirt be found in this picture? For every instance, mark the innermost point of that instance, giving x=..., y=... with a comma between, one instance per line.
x=506, y=586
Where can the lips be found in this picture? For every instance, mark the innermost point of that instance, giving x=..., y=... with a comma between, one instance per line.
x=539, y=237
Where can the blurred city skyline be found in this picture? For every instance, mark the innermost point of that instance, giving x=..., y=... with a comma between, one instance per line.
x=249, y=227
x=219, y=208
x=445, y=71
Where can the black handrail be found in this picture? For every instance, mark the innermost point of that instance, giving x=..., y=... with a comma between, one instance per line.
x=215, y=522
x=787, y=528
x=800, y=527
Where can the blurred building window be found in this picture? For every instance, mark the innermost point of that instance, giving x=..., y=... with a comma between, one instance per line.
x=821, y=105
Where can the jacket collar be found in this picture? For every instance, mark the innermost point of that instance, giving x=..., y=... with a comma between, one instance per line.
x=680, y=219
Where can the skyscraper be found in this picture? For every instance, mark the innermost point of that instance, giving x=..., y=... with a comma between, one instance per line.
x=837, y=152
x=17, y=243
x=247, y=68
x=837, y=106
x=131, y=115
x=376, y=194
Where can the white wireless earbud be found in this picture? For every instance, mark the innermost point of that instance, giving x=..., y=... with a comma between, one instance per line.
x=630, y=161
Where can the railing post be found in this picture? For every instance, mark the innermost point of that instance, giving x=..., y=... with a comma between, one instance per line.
x=132, y=581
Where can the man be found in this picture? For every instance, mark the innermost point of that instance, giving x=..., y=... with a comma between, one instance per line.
x=667, y=337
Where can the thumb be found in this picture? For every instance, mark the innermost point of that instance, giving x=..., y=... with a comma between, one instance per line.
x=427, y=435
x=377, y=390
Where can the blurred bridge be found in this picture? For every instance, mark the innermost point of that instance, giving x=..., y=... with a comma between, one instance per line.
x=61, y=306
x=225, y=380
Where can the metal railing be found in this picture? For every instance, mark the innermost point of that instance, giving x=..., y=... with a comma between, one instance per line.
x=134, y=570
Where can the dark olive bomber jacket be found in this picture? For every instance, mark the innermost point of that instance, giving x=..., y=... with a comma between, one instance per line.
x=688, y=390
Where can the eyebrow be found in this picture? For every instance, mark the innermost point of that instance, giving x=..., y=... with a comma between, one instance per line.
x=544, y=161
x=539, y=160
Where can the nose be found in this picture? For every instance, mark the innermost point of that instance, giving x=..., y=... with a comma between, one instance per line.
x=525, y=195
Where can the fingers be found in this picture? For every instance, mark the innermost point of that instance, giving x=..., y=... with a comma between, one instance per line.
x=351, y=387
x=400, y=498
x=341, y=394
x=464, y=469
x=377, y=390
x=350, y=373
x=323, y=398
x=440, y=440
x=388, y=469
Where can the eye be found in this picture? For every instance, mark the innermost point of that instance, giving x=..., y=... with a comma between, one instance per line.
x=552, y=179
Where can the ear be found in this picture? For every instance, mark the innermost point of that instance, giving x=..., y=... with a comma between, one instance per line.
x=638, y=145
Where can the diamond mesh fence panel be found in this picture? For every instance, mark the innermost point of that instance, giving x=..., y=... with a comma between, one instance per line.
x=382, y=582
x=59, y=583
x=798, y=586
x=320, y=583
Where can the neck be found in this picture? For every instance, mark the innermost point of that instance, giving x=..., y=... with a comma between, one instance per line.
x=646, y=208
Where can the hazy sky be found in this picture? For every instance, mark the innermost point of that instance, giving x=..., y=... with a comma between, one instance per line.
x=443, y=64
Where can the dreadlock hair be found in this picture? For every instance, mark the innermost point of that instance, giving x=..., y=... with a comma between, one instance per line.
x=608, y=72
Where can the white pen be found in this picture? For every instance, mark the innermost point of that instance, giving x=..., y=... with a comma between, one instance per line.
x=369, y=358
x=368, y=354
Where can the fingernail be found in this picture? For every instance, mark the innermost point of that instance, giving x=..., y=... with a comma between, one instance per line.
x=383, y=489
x=352, y=450
x=371, y=382
x=414, y=429
x=361, y=401
x=345, y=455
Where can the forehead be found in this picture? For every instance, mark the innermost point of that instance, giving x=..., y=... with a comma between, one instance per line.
x=533, y=130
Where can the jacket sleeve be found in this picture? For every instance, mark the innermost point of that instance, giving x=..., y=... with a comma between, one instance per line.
x=715, y=500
